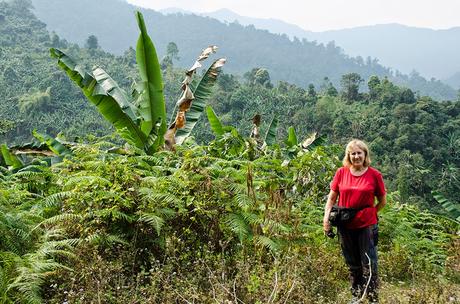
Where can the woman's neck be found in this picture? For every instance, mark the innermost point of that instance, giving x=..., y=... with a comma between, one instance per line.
x=358, y=170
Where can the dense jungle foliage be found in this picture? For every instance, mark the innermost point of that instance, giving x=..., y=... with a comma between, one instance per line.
x=223, y=218
x=415, y=140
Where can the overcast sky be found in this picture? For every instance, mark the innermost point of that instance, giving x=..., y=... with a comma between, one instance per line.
x=320, y=15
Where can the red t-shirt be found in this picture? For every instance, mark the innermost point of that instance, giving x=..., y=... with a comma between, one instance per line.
x=359, y=192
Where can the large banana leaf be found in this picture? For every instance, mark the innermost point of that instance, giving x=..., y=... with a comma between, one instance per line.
x=214, y=121
x=52, y=143
x=313, y=141
x=151, y=104
x=201, y=93
x=110, y=100
x=292, y=138
x=270, y=137
x=451, y=207
x=9, y=158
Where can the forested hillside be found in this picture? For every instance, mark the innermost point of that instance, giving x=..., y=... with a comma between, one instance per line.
x=433, y=53
x=134, y=203
x=300, y=61
x=34, y=94
x=392, y=119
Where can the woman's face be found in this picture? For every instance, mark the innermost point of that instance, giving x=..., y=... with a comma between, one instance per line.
x=357, y=157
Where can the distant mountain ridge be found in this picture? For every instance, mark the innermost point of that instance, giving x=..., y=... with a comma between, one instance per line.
x=297, y=61
x=433, y=53
x=275, y=26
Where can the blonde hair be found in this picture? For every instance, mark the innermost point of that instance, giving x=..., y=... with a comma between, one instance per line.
x=361, y=145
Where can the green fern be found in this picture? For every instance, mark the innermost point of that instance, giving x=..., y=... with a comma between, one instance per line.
x=104, y=239
x=268, y=243
x=34, y=268
x=87, y=179
x=238, y=224
x=56, y=199
x=64, y=218
x=153, y=220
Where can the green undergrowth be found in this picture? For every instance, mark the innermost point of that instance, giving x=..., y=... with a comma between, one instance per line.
x=202, y=226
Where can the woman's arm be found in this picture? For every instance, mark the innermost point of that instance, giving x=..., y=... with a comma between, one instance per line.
x=382, y=202
x=331, y=199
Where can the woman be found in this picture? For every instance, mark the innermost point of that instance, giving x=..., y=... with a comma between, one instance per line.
x=356, y=184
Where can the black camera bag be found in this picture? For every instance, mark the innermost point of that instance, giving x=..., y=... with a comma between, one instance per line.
x=339, y=216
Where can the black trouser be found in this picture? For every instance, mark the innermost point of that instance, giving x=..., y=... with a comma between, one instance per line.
x=359, y=248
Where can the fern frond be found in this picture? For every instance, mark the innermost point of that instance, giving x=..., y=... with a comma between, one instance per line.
x=166, y=213
x=152, y=196
x=29, y=174
x=277, y=227
x=88, y=179
x=104, y=239
x=153, y=220
x=238, y=224
x=243, y=201
x=268, y=243
x=33, y=268
x=21, y=233
x=56, y=199
x=113, y=214
x=61, y=218
x=252, y=218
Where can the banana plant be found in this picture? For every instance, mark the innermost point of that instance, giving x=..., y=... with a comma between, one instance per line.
x=10, y=159
x=451, y=207
x=270, y=136
x=214, y=122
x=291, y=141
x=29, y=156
x=53, y=144
x=192, y=102
x=140, y=119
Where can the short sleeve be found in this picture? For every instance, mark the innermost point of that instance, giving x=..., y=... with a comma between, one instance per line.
x=380, y=186
x=336, y=180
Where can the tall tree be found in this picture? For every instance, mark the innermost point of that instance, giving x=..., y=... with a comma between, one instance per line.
x=350, y=86
x=92, y=43
x=172, y=51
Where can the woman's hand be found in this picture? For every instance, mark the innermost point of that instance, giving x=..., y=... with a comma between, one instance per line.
x=326, y=226
x=332, y=197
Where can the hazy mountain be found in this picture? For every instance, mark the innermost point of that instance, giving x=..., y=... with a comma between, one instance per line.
x=273, y=25
x=433, y=53
x=225, y=15
x=174, y=10
x=454, y=81
x=297, y=61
